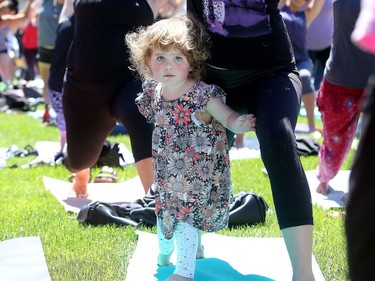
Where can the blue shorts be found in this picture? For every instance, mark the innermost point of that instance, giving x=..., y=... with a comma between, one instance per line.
x=305, y=68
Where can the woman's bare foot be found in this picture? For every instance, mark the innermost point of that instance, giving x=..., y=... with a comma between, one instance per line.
x=323, y=188
x=176, y=277
x=80, y=182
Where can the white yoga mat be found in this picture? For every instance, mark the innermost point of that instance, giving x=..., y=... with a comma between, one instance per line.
x=23, y=259
x=250, y=149
x=47, y=151
x=339, y=186
x=226, y=259
x=123, y=192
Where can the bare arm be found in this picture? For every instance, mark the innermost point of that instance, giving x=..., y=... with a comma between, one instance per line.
x=229, y=118
x=313, y=10
x=282, y=3
x=156, y=6
x=15, y=21
x=66, y=11
x=171, y=7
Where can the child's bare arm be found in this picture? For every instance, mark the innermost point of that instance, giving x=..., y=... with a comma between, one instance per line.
x=229, y=118
x=241, y=123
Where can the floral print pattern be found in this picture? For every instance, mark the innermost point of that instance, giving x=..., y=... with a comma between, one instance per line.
x=190, y=157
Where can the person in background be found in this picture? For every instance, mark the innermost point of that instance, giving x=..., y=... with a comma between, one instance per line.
x=64, y=38
x=30, y=47
x=10, y=20
x=298, y=16
x=252, y=61
x=47, y=27
x=340, y=96
x=190, y=152
x=9, y=16
x=319, y=40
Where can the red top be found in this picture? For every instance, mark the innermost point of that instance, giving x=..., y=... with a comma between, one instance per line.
x=30, y=36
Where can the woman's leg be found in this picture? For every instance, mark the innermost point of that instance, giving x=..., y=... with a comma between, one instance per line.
x=309, y=104
x=298, y=241
x=145, y=172
x=88, y=122
x=140, y=132
x=275, y=101
x=308, y=93
x=44, y=73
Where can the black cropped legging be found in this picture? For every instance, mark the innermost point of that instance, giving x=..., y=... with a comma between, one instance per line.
x=90, y=118
x=274, y=99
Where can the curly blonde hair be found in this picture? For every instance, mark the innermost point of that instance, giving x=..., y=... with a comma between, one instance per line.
x=181, y=31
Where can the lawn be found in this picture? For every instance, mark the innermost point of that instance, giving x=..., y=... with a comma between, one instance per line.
x=77, y=252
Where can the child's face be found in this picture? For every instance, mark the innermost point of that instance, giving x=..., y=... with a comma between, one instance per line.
x=169, y=67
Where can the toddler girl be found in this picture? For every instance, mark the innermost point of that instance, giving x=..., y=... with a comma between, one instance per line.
x=189, y=144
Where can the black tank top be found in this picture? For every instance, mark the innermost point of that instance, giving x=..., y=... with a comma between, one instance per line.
x=244, y=34
x=98, y=54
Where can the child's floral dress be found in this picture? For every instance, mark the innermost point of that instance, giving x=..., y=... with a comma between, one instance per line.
x=192, y=176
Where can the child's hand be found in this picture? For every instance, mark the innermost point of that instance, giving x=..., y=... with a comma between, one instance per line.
x=247, y=122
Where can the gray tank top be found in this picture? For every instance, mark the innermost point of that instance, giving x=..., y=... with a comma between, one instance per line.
x=48, y=22
x=347, y=65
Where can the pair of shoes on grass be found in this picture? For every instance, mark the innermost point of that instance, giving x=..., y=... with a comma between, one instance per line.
x=106, y=175
x=80, y=181
x=14, y=151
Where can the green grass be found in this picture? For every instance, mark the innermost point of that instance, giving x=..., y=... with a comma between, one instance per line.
x=77, y=252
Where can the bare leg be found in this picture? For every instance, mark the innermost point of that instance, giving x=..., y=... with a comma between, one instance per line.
x=309, y=104
x=146, y=173
x=62, y=140
x=44, y=73
x=80, y=183
x=298, y=242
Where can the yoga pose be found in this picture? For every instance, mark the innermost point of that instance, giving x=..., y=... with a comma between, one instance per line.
x=252, y=60
x=100, y=89
x=189, y=144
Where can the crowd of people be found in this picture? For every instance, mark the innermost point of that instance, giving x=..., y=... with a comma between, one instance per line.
x=183, y=77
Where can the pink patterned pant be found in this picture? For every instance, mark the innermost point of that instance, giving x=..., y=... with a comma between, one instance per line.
x=340, y=109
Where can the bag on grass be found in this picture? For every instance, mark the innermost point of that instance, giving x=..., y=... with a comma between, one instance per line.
x=307, y=146
x=141, y=211
x=247, y=208
x=100, y=213
x=15, y=99
x=110, y=155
